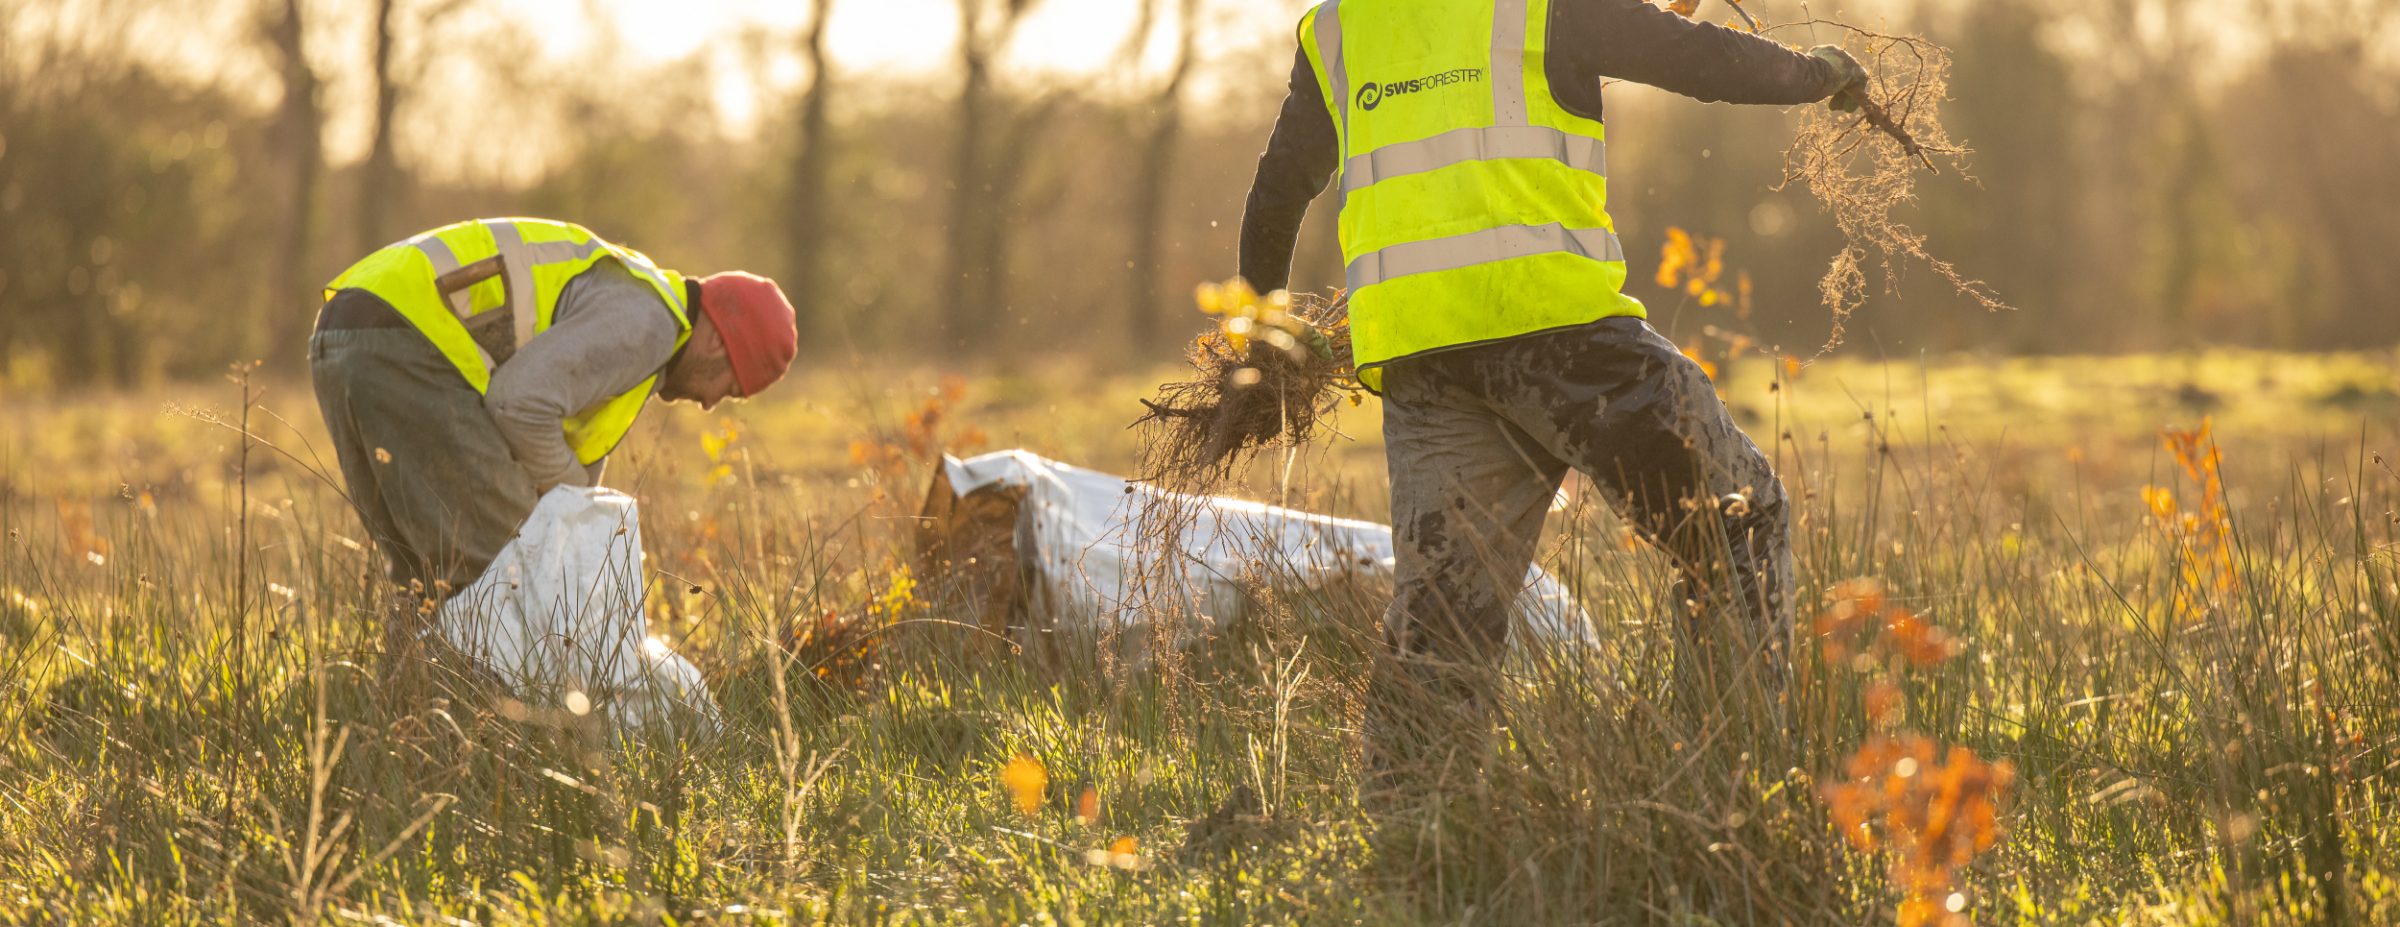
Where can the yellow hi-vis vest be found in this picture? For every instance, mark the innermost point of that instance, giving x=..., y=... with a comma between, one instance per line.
x=500, y=279
x=1473, y=205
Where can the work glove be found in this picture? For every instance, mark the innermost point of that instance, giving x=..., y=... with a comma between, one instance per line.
x=1850, y=77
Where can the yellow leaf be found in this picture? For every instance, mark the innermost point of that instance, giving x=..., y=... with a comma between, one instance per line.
x=1210, y=297
x=1025, y=780
x=2160, y=502
x=1238, y=291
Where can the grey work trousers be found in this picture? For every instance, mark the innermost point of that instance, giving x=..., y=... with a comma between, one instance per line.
x=425, y=467
x=1478, y=439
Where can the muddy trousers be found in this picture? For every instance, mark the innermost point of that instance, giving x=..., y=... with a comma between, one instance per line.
x=1478, y=440
x=427, y=470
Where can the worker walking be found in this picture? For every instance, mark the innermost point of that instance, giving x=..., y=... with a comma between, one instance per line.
x=1487, y=309
x=466, y=371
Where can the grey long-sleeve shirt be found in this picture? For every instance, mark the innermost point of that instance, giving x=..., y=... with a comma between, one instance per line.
x=609, y=332
x=1589, y=40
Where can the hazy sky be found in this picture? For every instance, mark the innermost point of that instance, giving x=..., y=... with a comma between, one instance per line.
x=1060, y=36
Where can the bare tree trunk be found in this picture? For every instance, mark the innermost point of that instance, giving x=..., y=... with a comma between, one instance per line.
x=382, y=186
x=959, y=284
x=1154, y=176
x=970, y=286
x=1004, y=201
x=11, y=314
x=379, y=181
x=811, y=207
x=299, y=136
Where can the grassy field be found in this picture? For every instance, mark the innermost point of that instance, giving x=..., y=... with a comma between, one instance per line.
x=2167, y=679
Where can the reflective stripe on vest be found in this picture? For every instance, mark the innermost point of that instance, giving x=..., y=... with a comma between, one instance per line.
x=477, y=276
x=1473, y=204
x=1489, y=246
x=1462, y=145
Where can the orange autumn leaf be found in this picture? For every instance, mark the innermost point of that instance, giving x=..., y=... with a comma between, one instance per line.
x=1123, y=853
x=1025, y=780
x=2202, y=536
x=1932, y=818
x=2159, y=501
x=1677, y=254
x=1882, y=699
x=1921, y=643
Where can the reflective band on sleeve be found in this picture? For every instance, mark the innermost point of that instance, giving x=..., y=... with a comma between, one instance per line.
x=1461, y=146
x=1485, y=247
x=1508, y=63
x=445, y=263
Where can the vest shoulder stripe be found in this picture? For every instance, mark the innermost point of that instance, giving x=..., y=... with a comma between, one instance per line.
x=1508, y=62
x=1489, y=246
x=1329, y=57
x=1461, y=146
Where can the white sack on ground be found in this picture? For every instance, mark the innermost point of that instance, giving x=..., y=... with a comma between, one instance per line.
x=560, y=611
x=1079, y=528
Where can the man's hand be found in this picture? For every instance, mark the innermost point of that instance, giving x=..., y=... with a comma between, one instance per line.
x=1850, y=78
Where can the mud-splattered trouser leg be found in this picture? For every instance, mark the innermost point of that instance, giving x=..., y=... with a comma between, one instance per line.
x=1478, y=439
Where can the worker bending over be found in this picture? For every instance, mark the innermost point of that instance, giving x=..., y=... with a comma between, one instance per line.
x=466, y=371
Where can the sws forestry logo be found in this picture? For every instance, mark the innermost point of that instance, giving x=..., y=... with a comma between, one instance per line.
x=1373, y=94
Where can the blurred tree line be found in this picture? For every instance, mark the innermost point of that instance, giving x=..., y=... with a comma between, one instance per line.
x=2149, y=174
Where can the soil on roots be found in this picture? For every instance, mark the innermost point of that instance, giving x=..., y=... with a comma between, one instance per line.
x=1248, y=392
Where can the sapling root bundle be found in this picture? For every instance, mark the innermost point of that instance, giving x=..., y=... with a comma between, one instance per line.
x=1269, y=374
x=1864, y=165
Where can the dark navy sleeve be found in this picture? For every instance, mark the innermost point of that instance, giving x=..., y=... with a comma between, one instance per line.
x=1301, y=156
x=1636, y=41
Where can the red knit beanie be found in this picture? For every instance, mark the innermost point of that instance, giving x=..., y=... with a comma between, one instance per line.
x=756, y=322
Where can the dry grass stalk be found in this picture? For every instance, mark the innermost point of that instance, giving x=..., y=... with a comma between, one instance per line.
x=1863, y=179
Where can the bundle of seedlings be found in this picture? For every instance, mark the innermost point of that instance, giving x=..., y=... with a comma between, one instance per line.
x=1862, y=161
x=1269, y=373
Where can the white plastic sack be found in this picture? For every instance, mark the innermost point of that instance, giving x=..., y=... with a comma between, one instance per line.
x=558, y=616
x=1083, y=529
